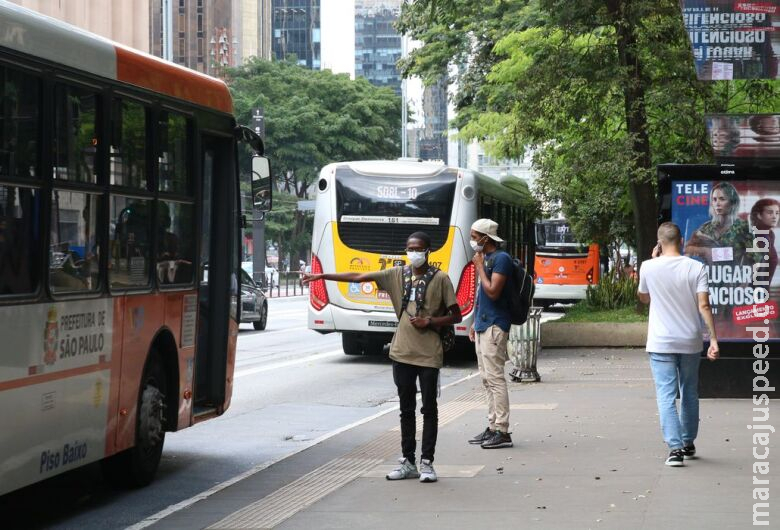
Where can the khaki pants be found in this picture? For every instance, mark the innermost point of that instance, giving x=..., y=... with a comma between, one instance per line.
x=491, y=357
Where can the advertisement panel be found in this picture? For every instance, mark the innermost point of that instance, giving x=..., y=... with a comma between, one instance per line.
x=731, y=227
x=732, y=39
x=751, y=136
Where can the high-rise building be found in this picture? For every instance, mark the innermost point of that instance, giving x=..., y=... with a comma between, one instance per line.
x=210, y=35
x=125, y=22
x=433, y=144
x=377, y=43
x=296, y=31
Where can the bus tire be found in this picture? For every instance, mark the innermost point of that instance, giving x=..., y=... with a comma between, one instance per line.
x=136, y=467
x=259, y=325
x=351, y=344
x=374, y=347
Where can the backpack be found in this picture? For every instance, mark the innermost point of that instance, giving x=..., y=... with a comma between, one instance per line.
x=446, y=333
x=521, y=293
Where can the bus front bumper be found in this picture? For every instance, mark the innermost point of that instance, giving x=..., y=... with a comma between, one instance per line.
x=333, y=318
x=543, y=291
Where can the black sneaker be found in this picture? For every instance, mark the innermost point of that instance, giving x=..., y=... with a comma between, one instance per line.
x=689, y=451
x=497, y=440
x=481, y=437
x=675, y=458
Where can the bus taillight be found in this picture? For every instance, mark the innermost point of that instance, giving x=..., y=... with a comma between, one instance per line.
x=589, y=275
x=318, y=294
x=466, y=288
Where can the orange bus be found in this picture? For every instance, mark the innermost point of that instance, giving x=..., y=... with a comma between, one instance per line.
x=563, y=267
x=119, y=251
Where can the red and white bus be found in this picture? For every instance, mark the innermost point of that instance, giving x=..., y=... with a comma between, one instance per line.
x=563, y=266
x=119, y=251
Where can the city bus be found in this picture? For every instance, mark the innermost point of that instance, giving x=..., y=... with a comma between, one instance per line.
x=364, y=212
x=119, y=251
x=563, y=267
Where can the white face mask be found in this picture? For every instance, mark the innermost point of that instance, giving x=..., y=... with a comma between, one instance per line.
x=417, y=259
x=476, y=246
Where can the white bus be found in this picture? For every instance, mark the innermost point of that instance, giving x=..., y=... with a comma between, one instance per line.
x=364, y=213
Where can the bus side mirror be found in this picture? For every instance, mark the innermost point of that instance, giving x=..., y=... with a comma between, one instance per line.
x=261, y=184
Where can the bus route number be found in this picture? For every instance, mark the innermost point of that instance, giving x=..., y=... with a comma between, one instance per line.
x=396, y=192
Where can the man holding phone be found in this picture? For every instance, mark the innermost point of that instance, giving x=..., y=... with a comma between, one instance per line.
x=676, y=287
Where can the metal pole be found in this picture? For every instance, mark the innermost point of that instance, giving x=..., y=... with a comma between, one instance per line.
x=404, y=117
x=167, y=28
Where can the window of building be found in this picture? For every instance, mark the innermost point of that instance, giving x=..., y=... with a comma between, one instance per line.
x=128, y=144
x=74, y=252
x=20, y=239
x=175, y=242
x=182, y=49
x=20, y=95
x=130, y=242
x=75, y=134
x=173, y=154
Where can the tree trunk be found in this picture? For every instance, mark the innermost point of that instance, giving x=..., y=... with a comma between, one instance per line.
x=641, y=191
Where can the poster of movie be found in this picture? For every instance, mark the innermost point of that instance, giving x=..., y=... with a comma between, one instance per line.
x=744, y=135
x=732, y=39
x=731, y=228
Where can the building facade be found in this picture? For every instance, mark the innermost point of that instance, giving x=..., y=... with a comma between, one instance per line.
x=433, y=143
x=296, y=31
x=126, y=22
x=377, y=43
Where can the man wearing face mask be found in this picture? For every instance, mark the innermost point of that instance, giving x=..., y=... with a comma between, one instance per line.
x=490, y=330
x=416, y=349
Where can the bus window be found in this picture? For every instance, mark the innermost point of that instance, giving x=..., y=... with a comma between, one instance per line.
x=19, y=123
x=175, y=242
x=73, y=251
x=75, y=134
x=131, y=227
x=172, y=158
x=128, y=144
x=19, y=239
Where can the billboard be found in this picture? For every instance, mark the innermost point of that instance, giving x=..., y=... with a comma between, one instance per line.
x=732, y=39
x=744, y=136
x=730, y=226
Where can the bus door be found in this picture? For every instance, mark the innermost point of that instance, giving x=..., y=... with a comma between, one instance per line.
x=218, y=282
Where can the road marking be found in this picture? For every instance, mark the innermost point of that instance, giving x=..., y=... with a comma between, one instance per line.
x=271, y=332
x=285, y=364
x=170, y=510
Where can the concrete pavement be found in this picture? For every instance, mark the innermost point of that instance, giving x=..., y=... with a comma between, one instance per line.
x=588, y=453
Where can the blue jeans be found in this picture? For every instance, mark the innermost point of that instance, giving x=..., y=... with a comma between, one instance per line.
x=673, y=372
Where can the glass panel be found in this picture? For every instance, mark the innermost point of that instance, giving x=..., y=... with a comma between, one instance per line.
x=175, y=242
x=74, y=263
x=172, y=158
x=19, y=123
x=20, y=236
x=128, y=144
x=130, y=240
x=75, y=134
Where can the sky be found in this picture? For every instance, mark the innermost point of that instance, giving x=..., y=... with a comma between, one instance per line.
x=337, y=19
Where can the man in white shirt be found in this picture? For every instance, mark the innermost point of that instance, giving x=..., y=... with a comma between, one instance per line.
x=677, y=286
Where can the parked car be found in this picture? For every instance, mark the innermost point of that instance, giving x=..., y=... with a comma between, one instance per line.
x=254, y=305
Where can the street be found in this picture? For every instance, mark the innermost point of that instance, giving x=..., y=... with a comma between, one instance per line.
x=292, y=386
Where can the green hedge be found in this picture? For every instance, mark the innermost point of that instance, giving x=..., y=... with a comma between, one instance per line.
x=612, y=293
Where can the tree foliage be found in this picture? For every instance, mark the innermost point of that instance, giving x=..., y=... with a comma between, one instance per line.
x=601, y=91
x=312, y=118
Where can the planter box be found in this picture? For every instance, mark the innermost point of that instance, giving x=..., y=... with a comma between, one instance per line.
x=593, y=334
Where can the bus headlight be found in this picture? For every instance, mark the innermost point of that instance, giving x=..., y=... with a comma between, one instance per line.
x=318, y=294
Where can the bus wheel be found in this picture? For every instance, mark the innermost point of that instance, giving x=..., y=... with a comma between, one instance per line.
x=351, y=344
x=260, y=324
x=136, y=467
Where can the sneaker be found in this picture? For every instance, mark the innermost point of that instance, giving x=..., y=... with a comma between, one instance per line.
x=675, y=458
x=481, y=437
x=497, y=440
x=404, y=470
x=427, y=473
x=689, y=451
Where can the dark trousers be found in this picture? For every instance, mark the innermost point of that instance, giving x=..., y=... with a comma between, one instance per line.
x=405, y=377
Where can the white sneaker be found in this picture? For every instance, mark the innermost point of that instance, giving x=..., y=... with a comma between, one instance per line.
x=427, y=473
x=404, y=470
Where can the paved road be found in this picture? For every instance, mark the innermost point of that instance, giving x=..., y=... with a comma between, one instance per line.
x=292, y=386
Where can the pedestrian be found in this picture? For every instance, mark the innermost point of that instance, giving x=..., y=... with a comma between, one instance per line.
x=490, y=330
x=676, y=287
x=416, y=349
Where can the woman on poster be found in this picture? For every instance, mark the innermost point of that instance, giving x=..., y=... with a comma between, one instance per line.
x=764, y=216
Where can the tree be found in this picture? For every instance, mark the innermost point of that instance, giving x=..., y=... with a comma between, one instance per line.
x=601, y=90
x=312, y=118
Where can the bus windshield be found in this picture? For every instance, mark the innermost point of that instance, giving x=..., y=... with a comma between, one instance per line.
x=377, y=213
x=557, y=236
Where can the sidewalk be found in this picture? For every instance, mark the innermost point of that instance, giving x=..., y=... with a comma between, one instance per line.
x=587, y=453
